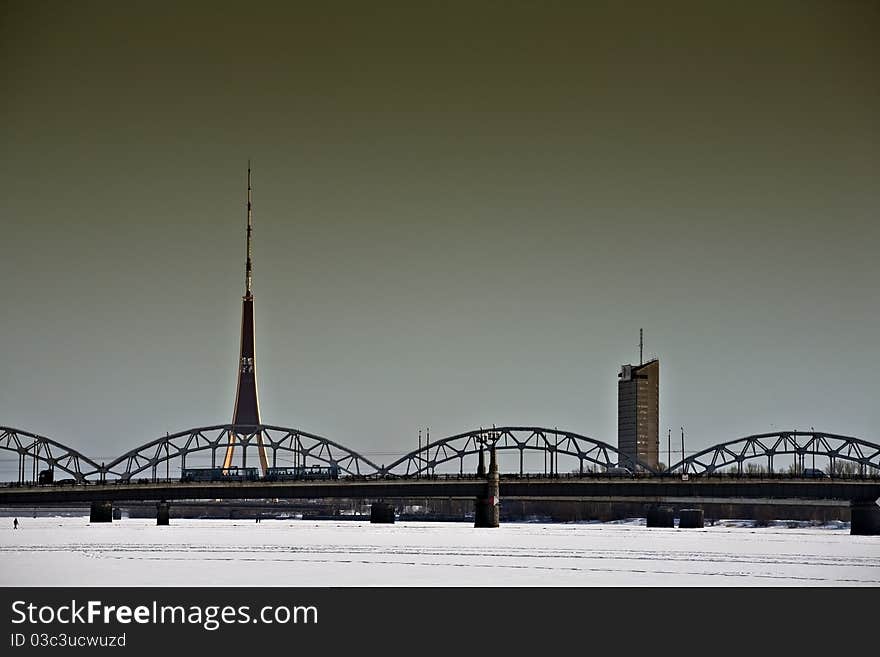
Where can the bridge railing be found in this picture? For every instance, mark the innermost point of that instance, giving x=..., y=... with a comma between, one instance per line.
x=724, y=476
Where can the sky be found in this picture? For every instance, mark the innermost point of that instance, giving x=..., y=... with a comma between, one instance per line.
x=463, y=214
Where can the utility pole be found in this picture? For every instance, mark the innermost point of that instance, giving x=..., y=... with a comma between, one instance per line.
x=669, y=448
x=682, y=450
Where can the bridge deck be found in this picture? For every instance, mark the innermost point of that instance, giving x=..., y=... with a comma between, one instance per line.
x=651, y=488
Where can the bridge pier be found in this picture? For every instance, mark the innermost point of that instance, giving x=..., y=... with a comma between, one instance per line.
x=690, y=519
x=864, y=519
x=382, y=513
x=101, y=512
x=486, y=508
x=163, y=513
x=660, y=516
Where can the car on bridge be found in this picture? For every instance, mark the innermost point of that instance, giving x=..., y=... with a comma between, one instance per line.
x=814, y=473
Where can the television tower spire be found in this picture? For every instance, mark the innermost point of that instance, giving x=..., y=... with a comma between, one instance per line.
x=248, y=268
x=246, y=414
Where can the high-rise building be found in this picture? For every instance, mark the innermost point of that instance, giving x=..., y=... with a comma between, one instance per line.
x=638, y=413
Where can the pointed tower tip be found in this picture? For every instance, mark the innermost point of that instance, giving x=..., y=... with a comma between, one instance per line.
x=248, y=279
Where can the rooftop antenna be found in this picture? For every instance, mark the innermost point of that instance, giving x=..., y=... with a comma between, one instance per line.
x=641, y=333
x=250, y=230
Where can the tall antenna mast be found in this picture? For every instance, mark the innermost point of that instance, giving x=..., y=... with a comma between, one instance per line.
x=250, y=230
x=641, y=333
x=246, y=411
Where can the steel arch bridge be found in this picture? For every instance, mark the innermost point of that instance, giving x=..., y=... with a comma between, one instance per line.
x=40, y=449
x=305, y=449
x=800, y=444
x=551, y=441
x=308, y=449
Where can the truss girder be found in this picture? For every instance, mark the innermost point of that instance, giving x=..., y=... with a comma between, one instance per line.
x=38, y=451
x=306, y=448
x=554, y=442
x=768, y=445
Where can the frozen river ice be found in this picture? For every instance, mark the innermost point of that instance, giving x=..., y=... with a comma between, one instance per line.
x=70, y=551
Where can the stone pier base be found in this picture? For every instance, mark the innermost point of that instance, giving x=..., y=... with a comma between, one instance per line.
x=690, y=519
x=163, y=513
x=382, y=512
x=101, y=512
x=660, y=516
x=864, y=519
x=486, y=513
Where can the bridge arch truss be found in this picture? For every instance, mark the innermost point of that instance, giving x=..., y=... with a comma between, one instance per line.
x=589, y=452
x=801, y=445
x=34, y=451
x=301, y=448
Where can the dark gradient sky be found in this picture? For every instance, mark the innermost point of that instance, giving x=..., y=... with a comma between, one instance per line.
x=463, y=214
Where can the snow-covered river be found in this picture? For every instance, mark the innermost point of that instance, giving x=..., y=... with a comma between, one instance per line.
x=70, y=551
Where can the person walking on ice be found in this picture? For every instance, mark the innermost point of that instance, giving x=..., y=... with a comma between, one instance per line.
x=15, y=524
